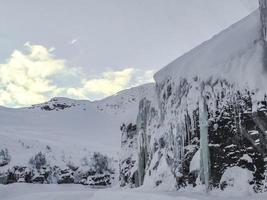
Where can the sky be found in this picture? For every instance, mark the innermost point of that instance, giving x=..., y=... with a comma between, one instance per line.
x=90, y=49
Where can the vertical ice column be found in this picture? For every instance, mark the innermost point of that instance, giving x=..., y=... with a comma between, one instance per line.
x=204, y=144
x=142, y=118
x=263, y=15
x=263, y=19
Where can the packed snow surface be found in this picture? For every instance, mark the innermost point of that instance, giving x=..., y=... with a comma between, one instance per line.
x=78, y=192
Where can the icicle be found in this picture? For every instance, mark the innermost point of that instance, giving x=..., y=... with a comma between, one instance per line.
x=204, y=144
x=263, y=19
x=142, y=118
x=263, y=14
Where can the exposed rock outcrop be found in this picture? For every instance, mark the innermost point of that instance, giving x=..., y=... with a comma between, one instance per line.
x=97, y=172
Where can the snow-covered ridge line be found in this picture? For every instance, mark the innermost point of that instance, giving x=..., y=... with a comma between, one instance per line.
x=235, y=55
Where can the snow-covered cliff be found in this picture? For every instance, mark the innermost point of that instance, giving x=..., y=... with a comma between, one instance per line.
x=208, y=122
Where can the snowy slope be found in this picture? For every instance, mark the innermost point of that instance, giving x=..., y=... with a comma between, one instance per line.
x=68, y=130
x=124, y=104
x=70, y=192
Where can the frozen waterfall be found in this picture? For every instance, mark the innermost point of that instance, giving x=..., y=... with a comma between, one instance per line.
x=204, y=144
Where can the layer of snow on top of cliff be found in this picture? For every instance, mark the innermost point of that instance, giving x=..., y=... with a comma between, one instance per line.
x=235, y=55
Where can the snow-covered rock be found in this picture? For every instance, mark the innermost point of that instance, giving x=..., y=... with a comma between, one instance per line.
x=237, y=180
x=195, y=163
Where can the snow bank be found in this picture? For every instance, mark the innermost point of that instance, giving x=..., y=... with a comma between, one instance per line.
x=70, y=192
x=235, y=181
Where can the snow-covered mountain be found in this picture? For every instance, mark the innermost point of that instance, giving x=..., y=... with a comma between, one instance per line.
x=66, y=131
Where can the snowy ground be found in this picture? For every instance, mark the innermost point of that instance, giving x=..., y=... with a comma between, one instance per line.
x=78, y=192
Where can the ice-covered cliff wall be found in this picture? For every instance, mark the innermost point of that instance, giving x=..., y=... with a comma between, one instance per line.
x=228, y=72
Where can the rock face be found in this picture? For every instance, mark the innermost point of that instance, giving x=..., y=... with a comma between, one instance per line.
x=4, y=157
x=128, y=170
x=167, y=138
x=56, y=104
x=169, y=147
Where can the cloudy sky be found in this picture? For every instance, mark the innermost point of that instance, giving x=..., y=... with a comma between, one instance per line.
x=89, y=49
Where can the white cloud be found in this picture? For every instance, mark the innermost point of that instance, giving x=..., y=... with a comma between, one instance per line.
x=36, y=75
x=110, y=82
x=73, y=41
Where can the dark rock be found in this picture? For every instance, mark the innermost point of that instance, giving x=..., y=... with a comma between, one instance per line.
x=4, y=157
x=66, y=179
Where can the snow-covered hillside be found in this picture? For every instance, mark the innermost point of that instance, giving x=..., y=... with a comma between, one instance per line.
x=68, y=131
